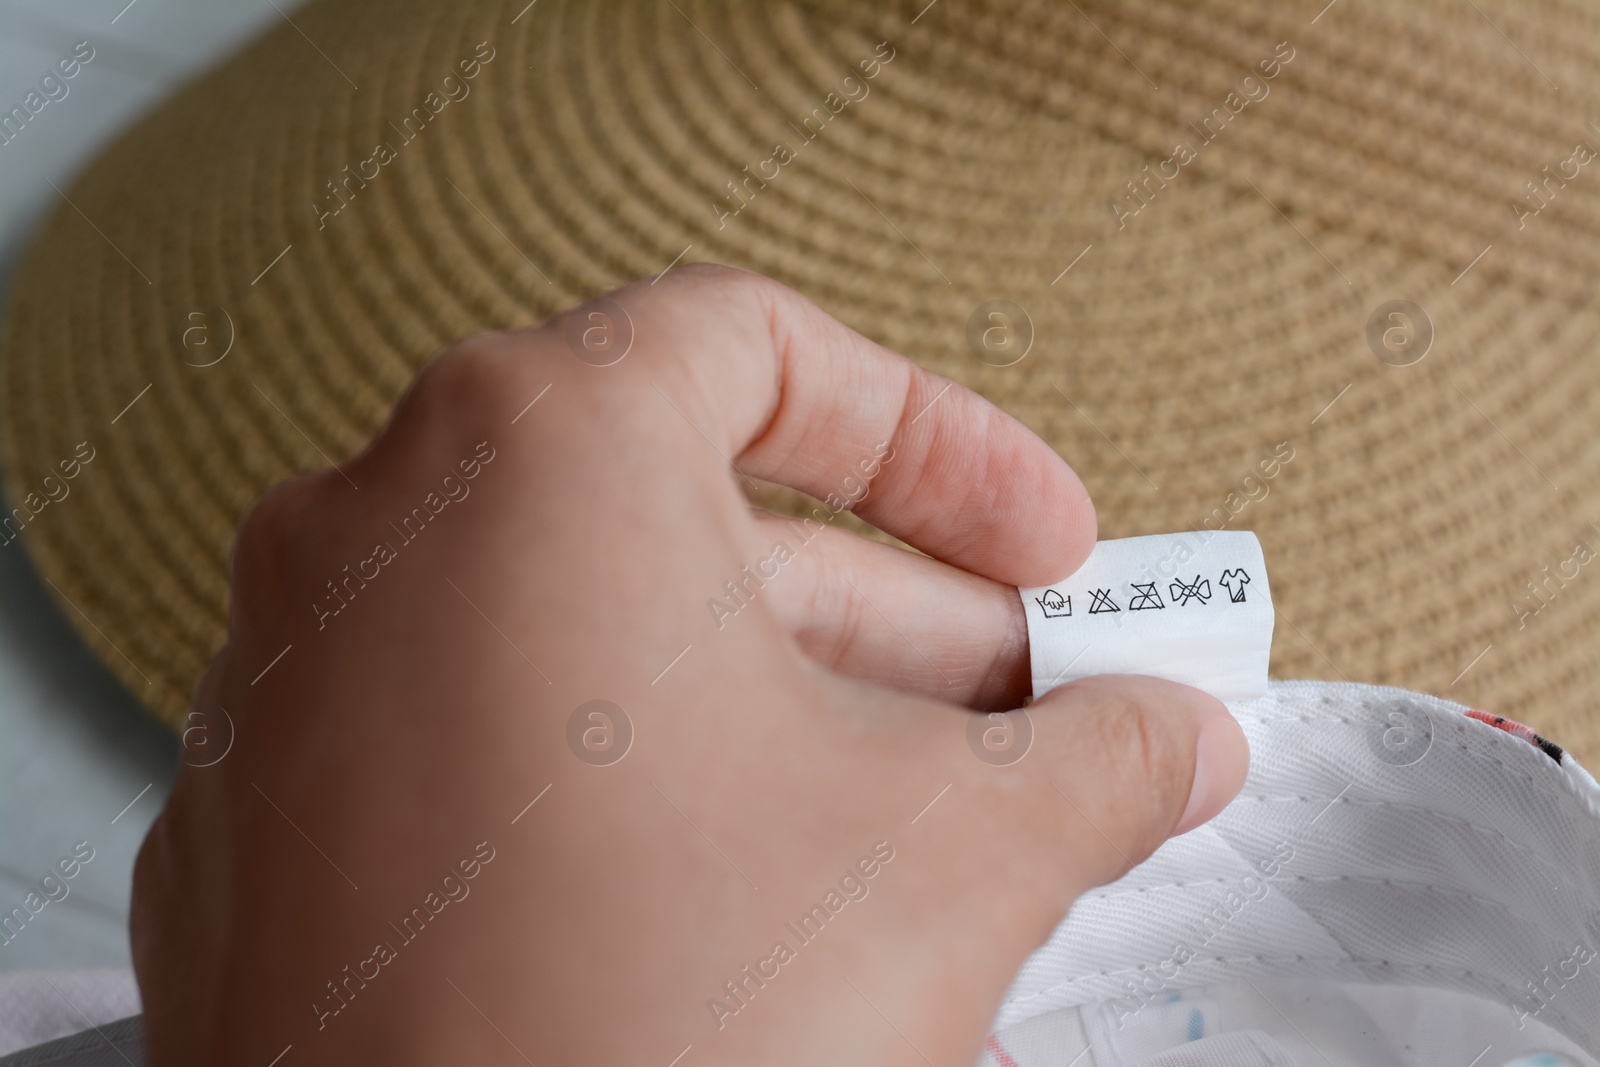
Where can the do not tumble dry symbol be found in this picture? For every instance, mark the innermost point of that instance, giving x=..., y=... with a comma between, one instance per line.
x=1146, y=598
x=1199, y=589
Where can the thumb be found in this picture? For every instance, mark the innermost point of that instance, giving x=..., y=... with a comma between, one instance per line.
x=1129, y=761
x=1065, y=795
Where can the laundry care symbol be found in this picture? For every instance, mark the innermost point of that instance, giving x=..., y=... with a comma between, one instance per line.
x=1102, y=602
x=1054, y=605
x=1147, y=599
x=1234, y=582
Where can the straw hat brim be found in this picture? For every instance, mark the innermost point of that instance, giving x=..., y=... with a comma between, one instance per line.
x=1200, y=346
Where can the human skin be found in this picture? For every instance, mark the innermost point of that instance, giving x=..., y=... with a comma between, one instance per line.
x=392, y=739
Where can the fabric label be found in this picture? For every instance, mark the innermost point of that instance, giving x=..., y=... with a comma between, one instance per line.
x=1189, y=607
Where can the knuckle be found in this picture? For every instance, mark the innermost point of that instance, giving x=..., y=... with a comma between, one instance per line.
x=161, y=866
x=471, y=375
x=467, y=387
x=170, y=871
x=473, y=384
x=695, y=288
x=152, y=867
x=264, y=547
x=719, y=274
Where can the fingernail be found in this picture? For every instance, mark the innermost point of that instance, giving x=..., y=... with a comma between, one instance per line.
x=1221, y=760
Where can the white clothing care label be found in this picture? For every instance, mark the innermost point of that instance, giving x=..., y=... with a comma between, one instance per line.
x=1189, y=607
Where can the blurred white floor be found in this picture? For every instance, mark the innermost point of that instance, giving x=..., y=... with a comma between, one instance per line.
x=79, y=761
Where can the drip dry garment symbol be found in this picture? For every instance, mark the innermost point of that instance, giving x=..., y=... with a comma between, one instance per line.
x=1234, y=582
x=1147, y=599
x=1199, y=589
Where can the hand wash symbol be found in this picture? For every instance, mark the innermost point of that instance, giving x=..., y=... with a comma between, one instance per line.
x=1054, y=605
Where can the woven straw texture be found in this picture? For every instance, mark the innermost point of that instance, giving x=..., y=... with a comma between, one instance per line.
x=1188, y=344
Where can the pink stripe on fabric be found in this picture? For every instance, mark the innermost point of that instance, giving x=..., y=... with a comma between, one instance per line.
x=1001, y=1056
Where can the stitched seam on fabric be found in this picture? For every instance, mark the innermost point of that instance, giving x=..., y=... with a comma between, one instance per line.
x=1404, y=885
x=1461, y=974
x=1520, y=848
x=1504, y=766
x=1573, y=778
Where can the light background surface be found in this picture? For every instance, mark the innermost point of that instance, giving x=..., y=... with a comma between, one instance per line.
x=75, y=749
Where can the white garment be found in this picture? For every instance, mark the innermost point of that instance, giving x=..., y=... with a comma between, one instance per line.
x=38, y=1006
x=1398, y=885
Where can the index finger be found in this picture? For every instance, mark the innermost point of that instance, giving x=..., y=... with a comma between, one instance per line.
x=801, y=399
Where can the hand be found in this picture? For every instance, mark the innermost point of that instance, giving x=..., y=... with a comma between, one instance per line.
x=507, y=564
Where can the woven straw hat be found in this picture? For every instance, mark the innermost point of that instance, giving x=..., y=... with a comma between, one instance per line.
x=1328, y=276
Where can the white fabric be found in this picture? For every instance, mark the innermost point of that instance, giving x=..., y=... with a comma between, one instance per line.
x=1246, y=1048
x=1397, y=884
x=38, y=1006
x=1190, y=607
